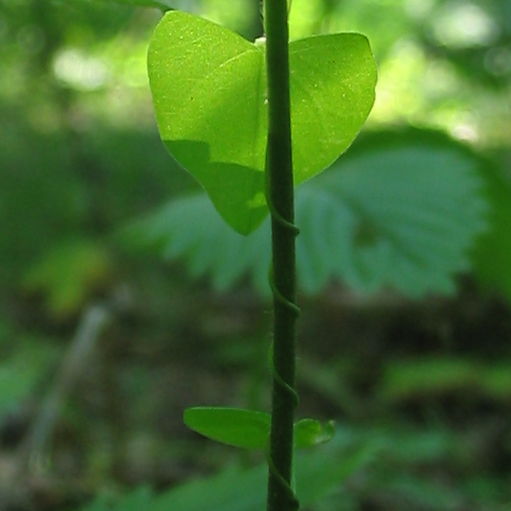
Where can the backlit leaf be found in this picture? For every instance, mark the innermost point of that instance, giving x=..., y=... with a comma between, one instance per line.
x=209, y=93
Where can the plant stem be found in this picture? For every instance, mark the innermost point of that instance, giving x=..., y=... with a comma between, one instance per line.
x=280, y=198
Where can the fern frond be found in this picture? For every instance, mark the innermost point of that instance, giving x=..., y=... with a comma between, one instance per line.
x=402, y=214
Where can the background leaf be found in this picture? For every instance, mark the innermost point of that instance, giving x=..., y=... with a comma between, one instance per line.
x=24, y=365
x=492, y=253
x=208, y=87
x=332, y=92
x=403, y=211
x=69, y=274
x=318, y=473
x=226, y=260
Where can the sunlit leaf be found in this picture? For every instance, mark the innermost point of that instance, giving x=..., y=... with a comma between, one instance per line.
x=246, y=429
x=437, y=376
x=209, y=93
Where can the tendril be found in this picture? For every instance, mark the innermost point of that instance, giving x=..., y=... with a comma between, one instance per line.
x=277, y=378
x=282, y=221
x=294, y=502
x=288, y=488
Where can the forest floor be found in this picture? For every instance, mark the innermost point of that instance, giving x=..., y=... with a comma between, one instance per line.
x=430, y=380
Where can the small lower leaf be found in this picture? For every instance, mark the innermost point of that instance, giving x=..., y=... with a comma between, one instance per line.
x=236, y=427
x=309, y=432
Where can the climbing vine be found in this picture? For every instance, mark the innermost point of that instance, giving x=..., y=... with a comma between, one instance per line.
x=251, y=121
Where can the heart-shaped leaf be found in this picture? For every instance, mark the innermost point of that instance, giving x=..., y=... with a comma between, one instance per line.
x=209, y=93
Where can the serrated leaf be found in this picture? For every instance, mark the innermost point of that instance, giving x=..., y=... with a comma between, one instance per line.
x=163, y=232
x=236, y=427
x=407, y=212
x=209, y=93
x=402, y=210
x=310, y=432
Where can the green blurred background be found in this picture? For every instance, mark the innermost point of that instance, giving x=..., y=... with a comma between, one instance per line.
x=108, y=329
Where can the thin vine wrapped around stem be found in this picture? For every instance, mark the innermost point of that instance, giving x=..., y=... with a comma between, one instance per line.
x=280, y=198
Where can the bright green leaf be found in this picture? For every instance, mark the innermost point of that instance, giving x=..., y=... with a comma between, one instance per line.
x=232, y=426
x=309, y=432
x=208, y=89
x=23, y=368
x=332, y=92
x=209, y=92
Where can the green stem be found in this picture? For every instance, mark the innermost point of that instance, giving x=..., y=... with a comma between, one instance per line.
x=280, y=198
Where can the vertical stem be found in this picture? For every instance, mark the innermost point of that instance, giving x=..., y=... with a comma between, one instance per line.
x=280, y=197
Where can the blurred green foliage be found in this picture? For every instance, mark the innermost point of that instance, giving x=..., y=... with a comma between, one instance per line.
x=317, y=476
x=401, y=210
x=81, y=160
x=24, y=362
